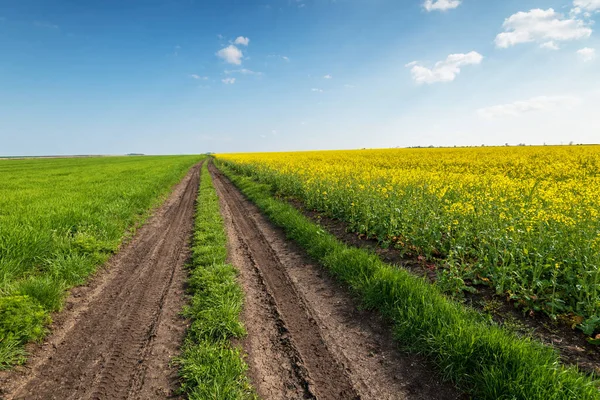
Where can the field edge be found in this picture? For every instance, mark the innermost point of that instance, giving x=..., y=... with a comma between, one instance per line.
x=480, y=358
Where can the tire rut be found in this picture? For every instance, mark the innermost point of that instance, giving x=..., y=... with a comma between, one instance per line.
x=118, y=343
x=307, y=337
x=318, y=372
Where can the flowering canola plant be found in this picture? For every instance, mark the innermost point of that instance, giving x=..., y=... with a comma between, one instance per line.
x=524, y=220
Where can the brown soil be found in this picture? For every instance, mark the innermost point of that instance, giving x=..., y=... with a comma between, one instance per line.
x=117, y=335
x=571, y=344
x=307, y=337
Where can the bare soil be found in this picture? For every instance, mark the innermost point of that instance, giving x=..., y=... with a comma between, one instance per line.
x=118, y=334
x=570, y=343
x=307, y=337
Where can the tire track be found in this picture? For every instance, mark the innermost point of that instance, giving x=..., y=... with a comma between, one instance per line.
x=315, y=367
x=306, y=336
x=117, y=344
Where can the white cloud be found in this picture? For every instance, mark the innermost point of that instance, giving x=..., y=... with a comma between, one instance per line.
x=587, y=54
x=198, y=77
x=328, y=76
x=316, y=90
x=284, y=58
x=441, y=5
x=243, y=71
x=588, y=5
x=550, y=45
x=231, y=54
x=228, y=81
x=244, y=41
x=541, y=103
x=540, y=25
x=443, y=71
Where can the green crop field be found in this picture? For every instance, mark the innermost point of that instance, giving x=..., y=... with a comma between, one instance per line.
x=59, y=220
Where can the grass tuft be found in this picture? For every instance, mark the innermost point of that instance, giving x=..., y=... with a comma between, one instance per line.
x=22, y=319
x=45, y=290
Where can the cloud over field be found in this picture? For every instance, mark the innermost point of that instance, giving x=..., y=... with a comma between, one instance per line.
x=540, y=103
x=542, y=26
x=440, y=5
x=231, y=55
x=586, y=54
x=241, y=40
x=443, y=71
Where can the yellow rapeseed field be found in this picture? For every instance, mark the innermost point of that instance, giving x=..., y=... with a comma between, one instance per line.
x=522, y=219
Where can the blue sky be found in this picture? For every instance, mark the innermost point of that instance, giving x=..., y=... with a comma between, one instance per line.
x=190, y=76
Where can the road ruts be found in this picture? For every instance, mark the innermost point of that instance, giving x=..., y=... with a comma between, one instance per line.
x=307, y=337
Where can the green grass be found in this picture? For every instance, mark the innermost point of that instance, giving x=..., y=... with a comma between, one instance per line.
x=210, y=366
x=479, y=357
x=59, y=220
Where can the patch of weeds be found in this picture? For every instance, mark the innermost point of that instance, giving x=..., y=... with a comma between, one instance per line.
x=21, y=320
x=11, y=352
x=512, y=324
x=491, y=306
x=451, y=279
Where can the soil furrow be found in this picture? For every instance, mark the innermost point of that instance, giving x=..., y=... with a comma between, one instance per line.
x=280, y=368
x=317, y=368
x=343, y=352
x=117, y=342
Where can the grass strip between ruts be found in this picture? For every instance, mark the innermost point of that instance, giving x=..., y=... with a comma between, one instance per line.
x=210, y=366
x=479, y=357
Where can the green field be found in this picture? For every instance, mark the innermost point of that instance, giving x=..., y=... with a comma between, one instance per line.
x=59, y=220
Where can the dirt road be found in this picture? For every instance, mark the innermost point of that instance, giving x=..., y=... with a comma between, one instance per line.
x=117, y=335
x=307, y=338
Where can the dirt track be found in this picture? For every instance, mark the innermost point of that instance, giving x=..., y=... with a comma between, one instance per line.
x=306, y=337
x=117, y=336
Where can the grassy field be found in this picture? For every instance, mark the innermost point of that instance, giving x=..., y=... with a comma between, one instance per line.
x=522, y=220
x=59, y=220
x=478, y=356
